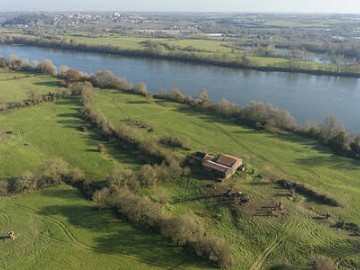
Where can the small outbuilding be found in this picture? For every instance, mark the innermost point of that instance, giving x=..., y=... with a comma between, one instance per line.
x=222, y=167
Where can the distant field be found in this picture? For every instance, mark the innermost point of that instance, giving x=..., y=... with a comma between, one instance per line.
x=219, y=50
x=294, y=235
x=298, y=24
x=217, y=47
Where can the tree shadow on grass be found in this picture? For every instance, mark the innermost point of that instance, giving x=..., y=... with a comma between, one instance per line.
x=333, y=162
x=114, y=235
x=69, y=101
x=290, y=137
x=48, y=83
x=344, y=248
x=72, y=120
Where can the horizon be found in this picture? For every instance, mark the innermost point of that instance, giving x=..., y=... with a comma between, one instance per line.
x=186, y=6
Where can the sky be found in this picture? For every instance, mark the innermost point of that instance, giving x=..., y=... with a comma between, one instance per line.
x=313, y=6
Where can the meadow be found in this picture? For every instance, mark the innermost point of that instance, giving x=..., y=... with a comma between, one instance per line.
x=293, y=235
x=58, y=227
x=15, y=86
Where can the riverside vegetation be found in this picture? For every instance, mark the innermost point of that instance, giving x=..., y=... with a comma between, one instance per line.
x=198, y=51
x=142, y=174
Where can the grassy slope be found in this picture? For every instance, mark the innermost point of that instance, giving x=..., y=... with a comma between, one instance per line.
x=49, y=130
x=256, y=241
x=15, y=86
x=57, y=229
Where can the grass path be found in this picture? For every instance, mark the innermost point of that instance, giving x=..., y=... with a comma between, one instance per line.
x=57, y=229
x=290, y=229
x=261, y=158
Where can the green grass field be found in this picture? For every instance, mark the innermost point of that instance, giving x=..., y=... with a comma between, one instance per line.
x=58, y=228
x=206, y=47
x=15, y=86
x=256, y=241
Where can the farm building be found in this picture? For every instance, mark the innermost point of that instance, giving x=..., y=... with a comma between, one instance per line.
x=223, y=167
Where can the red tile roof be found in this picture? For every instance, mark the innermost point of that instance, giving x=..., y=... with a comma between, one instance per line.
x=227, y=160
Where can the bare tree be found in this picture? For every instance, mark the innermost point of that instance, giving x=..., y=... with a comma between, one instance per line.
x=331, y=127
x=47, y=67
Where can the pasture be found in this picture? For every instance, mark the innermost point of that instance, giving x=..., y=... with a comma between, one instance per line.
x=254, y=238
x=57, y=227
x=15, y=86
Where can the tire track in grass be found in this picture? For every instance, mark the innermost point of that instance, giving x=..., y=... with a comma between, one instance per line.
x=261, y=158
x=5, y=219
x=291, y=228
x=71, y=236
x=75, y=242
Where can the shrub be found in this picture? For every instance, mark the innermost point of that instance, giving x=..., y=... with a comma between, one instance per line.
x=47, y=67
x=101, y=148
x=171, y=141
x=308, y=192
x=4, y=188
x=322, y=263
x=107, y=79
x=182, y=231
x=215, y=250
x=140, y=88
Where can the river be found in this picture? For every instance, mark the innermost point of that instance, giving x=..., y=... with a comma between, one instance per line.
x=305, y=96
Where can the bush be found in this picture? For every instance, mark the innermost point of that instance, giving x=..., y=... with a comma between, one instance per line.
x=140, y=88
x=172, y=141
x=215, y=250
x=47, y=67
x=107, y=79
x=101, y=148
x=182, y=231
x=322, y=263
x=308, y=192
x=4, y=188
x=53, y=173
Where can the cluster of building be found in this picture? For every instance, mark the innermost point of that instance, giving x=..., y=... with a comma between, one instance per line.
x=223, y=166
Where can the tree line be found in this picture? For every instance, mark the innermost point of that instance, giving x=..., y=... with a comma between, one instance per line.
x=190, y=55
x=54, y=172
x=267, y=117
x=182, y=231
x=257, y=114
x=119, y=189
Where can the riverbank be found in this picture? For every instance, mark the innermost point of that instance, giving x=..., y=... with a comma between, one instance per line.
x=305, y=96
x=159, y=49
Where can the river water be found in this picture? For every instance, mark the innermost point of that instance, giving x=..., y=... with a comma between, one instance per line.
x=307, y=97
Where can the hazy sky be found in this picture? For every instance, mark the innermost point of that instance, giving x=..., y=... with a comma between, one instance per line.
x=331, y=6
